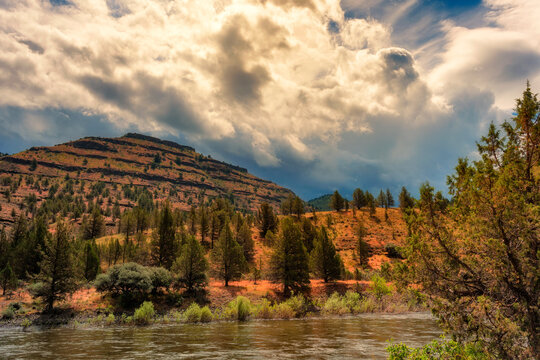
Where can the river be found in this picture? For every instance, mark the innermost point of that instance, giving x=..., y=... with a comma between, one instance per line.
x=360, y=337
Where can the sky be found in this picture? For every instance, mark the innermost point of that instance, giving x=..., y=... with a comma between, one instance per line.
x=315, y=95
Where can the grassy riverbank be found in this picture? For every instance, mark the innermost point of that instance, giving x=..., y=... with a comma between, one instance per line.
x=236, y=302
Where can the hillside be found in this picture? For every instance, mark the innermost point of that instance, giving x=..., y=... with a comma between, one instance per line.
x=322, y=203
x=116, y=169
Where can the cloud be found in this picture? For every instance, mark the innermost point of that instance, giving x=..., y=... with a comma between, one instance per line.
x=312, y=94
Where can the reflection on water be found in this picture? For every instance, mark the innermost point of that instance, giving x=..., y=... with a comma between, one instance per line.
x=351, y=337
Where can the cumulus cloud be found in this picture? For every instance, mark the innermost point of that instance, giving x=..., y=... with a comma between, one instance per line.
x=280, y=86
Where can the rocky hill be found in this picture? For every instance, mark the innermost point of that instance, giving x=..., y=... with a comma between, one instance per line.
x=121, y=167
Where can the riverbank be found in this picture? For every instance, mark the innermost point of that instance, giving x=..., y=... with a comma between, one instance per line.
x=241, y=300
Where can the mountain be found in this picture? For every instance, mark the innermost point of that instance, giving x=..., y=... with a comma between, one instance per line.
x=322, y=203
x=120, y=166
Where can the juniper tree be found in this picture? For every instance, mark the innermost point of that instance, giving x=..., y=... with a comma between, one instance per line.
x=336, y=201
x=191, y=266
x=228, y=257
x=266, y=219
x=289, y=264
x=57, y=276
x=325, y=260
x=477, y=259
x=164, y=246
x=359, y=199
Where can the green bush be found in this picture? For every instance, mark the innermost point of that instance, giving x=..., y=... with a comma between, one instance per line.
x=264, y=310
x=283, y=311
x=437, y=349
x=129, y=279
x=379, y=288
x=238, y=309
x=110, y=319
x=298, y=304
x=192, y=313
x=161, y=278
x=335, y=305
x=26, y=323
x=144, y=314
x=206, y=314
x=8, y=313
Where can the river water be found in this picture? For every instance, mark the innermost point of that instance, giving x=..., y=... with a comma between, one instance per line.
x=360, y=337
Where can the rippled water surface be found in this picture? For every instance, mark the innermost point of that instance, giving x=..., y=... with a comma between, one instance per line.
x=352, y=337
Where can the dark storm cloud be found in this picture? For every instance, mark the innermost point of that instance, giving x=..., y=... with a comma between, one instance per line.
x=147, y=97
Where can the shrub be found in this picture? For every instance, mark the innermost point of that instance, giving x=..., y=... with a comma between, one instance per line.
x=8, y=313
x=394, y=252
x=206, y=314
x=283, y=311
x=129, y=279
x=238, y=309
x=437, y=350
x=161, y=278
x=110, y=319
x=298, y=304
x=264, y=310
x=335, y=304
x=192, y=313
x=352, y=300
x=144, y=314
x=379, y=288
x=26, y=323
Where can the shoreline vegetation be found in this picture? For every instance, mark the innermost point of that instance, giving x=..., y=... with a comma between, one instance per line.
x=364, y=297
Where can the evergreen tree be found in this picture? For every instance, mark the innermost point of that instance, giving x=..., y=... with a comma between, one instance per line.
x=359, y=199
x=363, y=249
x=164, y=245
x=325, y=261
x=309, y=232
x=191, y=266
x=336, y=201
x=389, y=199
x=246, y=241
x=204, y=223
x=57, y=276
x=298, y=207
x=266, y=219
x=228, y=257
x=91, y=260
x=289, y=263
x=381, y=199
x=406, y=201
x=94, y=225
x=479, y=257
x=370, y=202
x=8, y=279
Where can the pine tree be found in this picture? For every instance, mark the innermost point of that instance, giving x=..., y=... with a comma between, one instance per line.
x=164, y=245
x=57, y=276
x=406, y=201
x=389, y=199
x=363, y=249
x=336, y=201
x=309, y=232
x=8, y=279
x=359, y=199
x=289, y=263
x=325, y=261
x=191, y=266
x=266, y=219
x=381, y=199
x=228, y=257
x=370, y=202
x=246, y=241
x=204, y=223
x=91, y=260
x=94, y=226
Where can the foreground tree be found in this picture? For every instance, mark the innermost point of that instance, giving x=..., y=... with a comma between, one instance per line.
x=191, y=266
x=359, y=199
x=478, y=259
x=289, y=263
x=228, y=257
x=325, y=260
x=164, y=239
x=57, y=276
